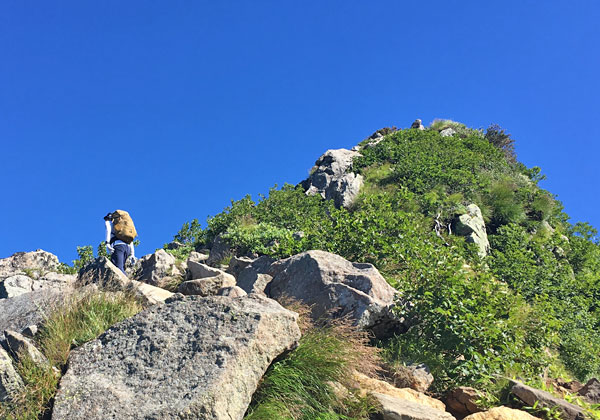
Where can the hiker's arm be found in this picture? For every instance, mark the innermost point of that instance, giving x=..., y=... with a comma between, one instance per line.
x=132, y=250
x=108, y=231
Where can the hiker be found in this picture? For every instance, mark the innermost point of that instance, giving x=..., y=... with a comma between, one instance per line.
x=120, y=233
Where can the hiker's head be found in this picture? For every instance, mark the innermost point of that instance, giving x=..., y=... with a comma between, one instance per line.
x=108, y=217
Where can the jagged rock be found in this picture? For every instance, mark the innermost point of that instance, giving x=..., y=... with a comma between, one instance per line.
x=418, y=124
x=107, y=276
x=20, y=345
x=10, y=381
x=472, y=226
x=208, y=286
x=254, y=278
x=159, y=269
x=30, y=331
x=219, y=252
x=190, y=358
x=591, y=391
x=197, y=257
x=501, y=413
x=202, y=271
x=463, y=401
x=333, y=286
x=331, y=177
x=237, y=264
x=27, y=309
x=371, y=385
x=104, y=274
x=38, y=262
x=448, y=132
x=175, y=245
x=399, y=409
x=530, y=395
x=416, y=377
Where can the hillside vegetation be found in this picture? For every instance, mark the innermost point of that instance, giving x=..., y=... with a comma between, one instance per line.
x=528, y=309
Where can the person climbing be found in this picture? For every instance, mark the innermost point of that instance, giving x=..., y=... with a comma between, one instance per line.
x=120, y=233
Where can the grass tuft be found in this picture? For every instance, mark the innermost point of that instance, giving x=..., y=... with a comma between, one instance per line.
x=74, y=322
x=315, y=380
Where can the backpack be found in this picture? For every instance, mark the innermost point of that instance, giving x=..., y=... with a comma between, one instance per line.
x=123, y=227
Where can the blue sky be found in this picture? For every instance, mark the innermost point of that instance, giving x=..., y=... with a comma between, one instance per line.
x=170, y=109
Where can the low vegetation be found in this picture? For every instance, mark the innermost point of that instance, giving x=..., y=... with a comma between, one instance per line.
x=530, y=308
x=71, y=324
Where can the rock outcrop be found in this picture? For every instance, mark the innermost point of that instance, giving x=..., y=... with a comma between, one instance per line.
x=20, y=346
x=472, y=225
x=36, y=262
x=10, y=381
x=190, y=358
x=254, y=278
x=20, y=284
x=332, y=178
x=335, y=287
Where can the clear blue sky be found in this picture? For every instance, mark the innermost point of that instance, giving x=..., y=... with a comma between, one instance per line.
x=170, y=109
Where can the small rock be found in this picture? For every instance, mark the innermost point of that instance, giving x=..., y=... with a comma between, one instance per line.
x=158, y=269
x=197, y=257
x=201, y=271
x=591, y=391
x=463, y=401
x=298, y=235
x=208, y=286
x=501, y=413
x=416, y=377
x=17, y=285
x=399, y=409
x=30, y=331
x=104, y=274
x=472, y=225
x=19, y=346
x=219, y=252
x=175, y=245
x=233, y=292
x=448, y=132
x=10, y=381
x=418, y=124
x=530, y=395
x=237, y=264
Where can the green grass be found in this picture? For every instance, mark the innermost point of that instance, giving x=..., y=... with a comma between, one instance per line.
x=73, y=323
x=301, y=385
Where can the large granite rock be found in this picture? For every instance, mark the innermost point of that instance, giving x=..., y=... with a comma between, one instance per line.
x=333, y=286
x=333, y=179
x=10, y=381
x=472, y=225
x=400, y=409
x=237, y=264
x=190, y=358
x=530, y=395
x=28, y=309
x=159, y=269
x=37, y=262
x=501, y=413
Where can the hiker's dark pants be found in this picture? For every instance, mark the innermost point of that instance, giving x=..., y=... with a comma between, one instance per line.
x=120, y=255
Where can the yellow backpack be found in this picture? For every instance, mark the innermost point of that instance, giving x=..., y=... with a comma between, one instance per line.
x=123, y=227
